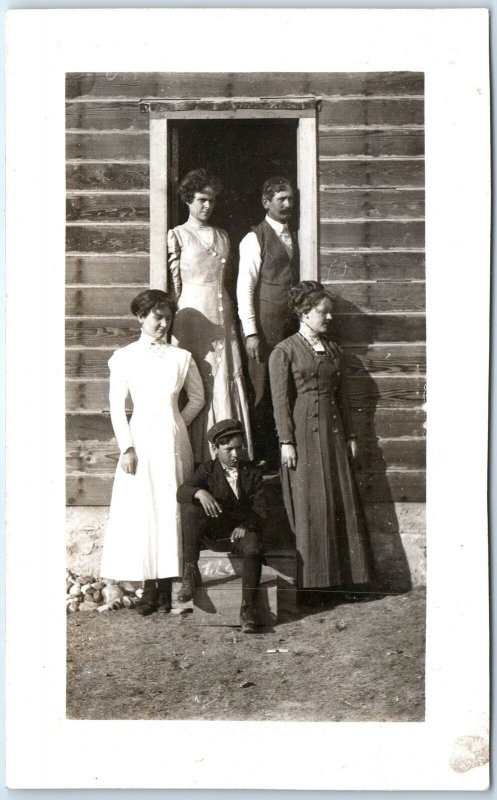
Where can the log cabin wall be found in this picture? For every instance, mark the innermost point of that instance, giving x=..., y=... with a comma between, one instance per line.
x=371, y=256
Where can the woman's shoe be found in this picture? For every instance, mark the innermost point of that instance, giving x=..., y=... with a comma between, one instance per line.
x=144, y=609
x=148, y=602
x=164, y=595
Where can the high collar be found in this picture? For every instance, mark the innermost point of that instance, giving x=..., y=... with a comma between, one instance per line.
x=147, y=340
x=311, y=336
x=278, y=227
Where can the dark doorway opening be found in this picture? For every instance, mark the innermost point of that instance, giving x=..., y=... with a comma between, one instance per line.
x=242, y=153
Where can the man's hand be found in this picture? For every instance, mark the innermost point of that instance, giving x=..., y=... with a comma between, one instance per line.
x=129, y=461
x=209, y=504
x=253, y=347
x=238, y=533
x=288, y=456
x=353, y=448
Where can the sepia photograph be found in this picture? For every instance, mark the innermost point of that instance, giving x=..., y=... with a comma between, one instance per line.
x=245, y=513
x=246, y=276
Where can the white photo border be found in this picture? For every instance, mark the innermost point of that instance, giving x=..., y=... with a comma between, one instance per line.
x=44, y=749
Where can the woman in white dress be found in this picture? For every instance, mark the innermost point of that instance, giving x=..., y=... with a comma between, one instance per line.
x=205, y=320
x=143, y=536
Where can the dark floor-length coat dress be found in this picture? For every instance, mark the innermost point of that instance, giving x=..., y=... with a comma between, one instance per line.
x=320, y=496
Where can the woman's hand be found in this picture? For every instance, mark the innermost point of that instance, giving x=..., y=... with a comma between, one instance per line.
x=353, y=448
x=288, y=456
x=208, y=503
x=129, y=461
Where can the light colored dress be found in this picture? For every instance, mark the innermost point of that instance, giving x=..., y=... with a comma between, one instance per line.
x=205, y=325
x=143, y=536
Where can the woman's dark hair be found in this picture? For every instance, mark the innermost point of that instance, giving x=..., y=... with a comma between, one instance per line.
x=195, y=181
x=144, y=302
x=306, y=295
x=277, y=183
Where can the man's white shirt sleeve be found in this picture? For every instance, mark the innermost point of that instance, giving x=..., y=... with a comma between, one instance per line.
x=248, y=277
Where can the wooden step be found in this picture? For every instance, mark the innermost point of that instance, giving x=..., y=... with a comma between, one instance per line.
x=280, y=564
x=217, y=601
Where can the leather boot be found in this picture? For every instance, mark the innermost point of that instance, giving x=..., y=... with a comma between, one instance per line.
x=248, y=618
x=191, y=579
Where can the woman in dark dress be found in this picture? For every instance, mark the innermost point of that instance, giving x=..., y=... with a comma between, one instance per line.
x=317, y=443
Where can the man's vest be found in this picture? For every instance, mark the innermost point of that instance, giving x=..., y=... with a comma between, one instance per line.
x=278, y=274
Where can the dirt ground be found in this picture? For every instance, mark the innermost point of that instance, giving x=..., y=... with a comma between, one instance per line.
x=337, y=661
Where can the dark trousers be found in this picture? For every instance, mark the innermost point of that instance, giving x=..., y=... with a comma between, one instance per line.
x=199, y=529
x=264, y=434
x=274, y=324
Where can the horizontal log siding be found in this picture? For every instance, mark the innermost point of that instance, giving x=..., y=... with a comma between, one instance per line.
x=371, y=254
x=391, y=359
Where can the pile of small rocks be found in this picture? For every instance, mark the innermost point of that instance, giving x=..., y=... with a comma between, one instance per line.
x=85, y=593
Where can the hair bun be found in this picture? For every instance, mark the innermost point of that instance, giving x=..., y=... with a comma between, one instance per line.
x=298, y=294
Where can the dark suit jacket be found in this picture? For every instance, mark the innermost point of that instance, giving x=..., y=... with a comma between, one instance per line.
x=250, y=506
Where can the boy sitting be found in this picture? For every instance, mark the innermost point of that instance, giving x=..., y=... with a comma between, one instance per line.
x=224, y=500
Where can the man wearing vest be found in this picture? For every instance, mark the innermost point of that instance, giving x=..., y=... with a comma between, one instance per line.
x=269, y=267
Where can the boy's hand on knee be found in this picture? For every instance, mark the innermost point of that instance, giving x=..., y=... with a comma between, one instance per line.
x=208, y=503
x=238, y=533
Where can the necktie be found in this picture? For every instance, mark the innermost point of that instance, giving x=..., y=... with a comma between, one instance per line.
x=287, y=240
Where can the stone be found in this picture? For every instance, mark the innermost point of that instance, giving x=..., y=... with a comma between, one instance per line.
x=68, y=585
x=98, y=585
x=114, y=606
x=86, y=587
x=75, y=590
x=139, y=593
x=72, y=607
x=129, y=586
x=97, y=596
x=128, y=602
x=88, y=605
x=111, y=593
x=83, y=579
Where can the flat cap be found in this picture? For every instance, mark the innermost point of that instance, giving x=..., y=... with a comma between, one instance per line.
x=225, y=427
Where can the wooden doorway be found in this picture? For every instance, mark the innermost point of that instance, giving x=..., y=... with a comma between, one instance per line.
x=242, y=153
x=213, y=133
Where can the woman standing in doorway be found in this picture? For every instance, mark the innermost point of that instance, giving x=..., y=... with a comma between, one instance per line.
x=205, y=321
x=317, y=441
x=143, y=537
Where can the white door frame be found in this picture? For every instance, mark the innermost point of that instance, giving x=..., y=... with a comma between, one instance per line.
x=302, y=109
